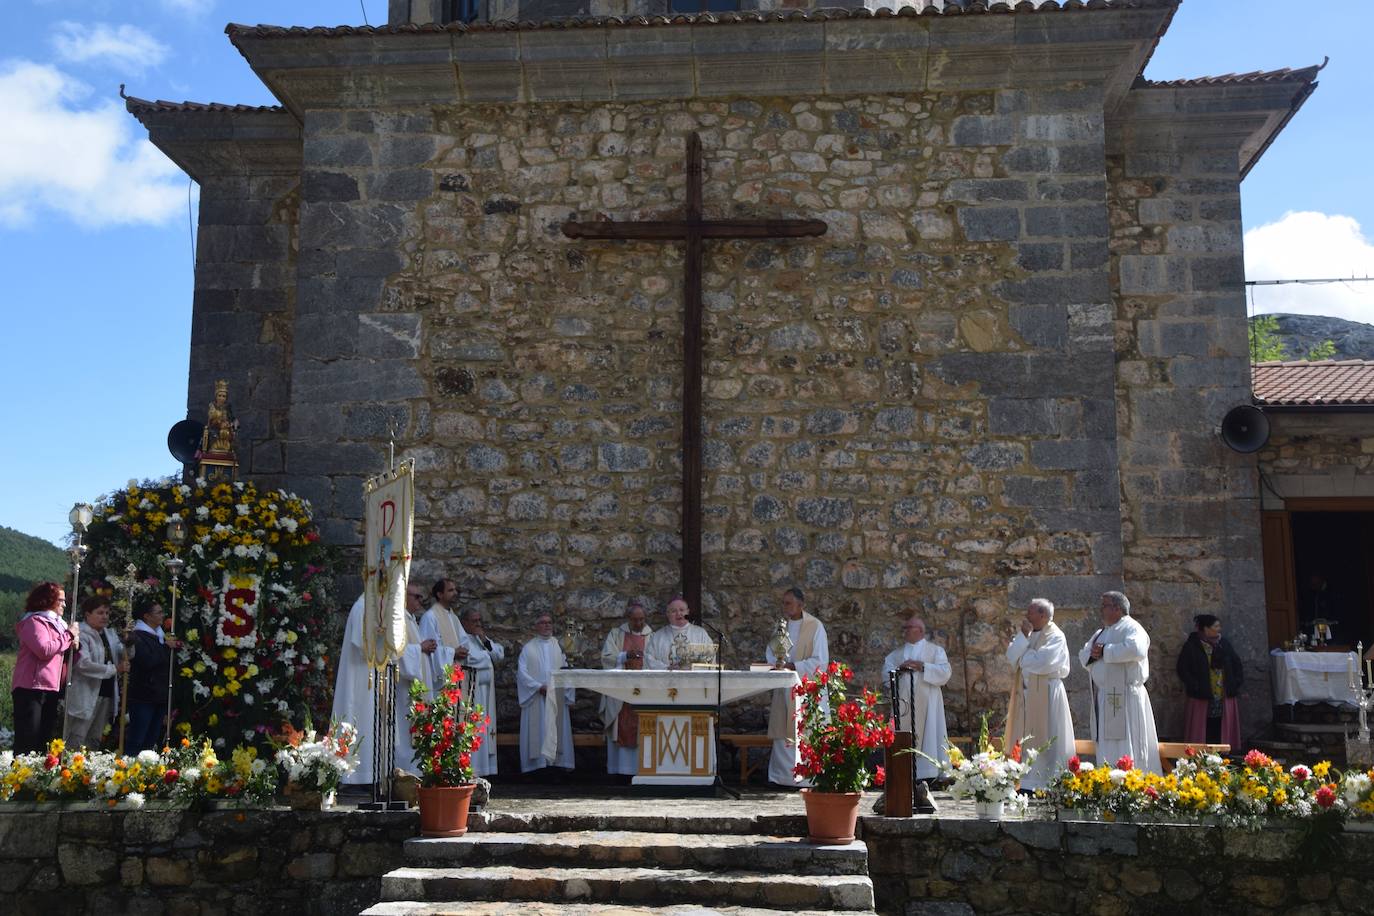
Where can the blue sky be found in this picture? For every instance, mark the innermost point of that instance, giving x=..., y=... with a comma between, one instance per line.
x=95, y=246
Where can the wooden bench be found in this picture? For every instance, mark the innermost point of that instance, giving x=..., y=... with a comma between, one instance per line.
x=743, y=743
x=580, y=739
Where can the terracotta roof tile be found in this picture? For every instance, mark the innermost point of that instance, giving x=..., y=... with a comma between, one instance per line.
x=1321, y=383
x=1285, y=75
x=137, y=106
x=235, y=30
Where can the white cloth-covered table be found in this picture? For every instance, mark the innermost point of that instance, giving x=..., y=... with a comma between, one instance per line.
x=694, y=691
x=1313, y=677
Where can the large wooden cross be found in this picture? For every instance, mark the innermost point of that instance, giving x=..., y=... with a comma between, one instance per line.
x=693, y=229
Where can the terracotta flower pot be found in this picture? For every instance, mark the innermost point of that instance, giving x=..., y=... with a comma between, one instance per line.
x=444, y=810
x=831, y=816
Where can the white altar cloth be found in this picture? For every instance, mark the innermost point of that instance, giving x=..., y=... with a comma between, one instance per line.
x=662, y=689
x=1313, y=677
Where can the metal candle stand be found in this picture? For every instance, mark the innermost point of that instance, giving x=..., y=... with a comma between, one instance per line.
x=1358, y=750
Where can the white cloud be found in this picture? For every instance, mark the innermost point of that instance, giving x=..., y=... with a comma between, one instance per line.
x=187, y=7
x=123, y=45
x=86, y=163
x=1308, y=245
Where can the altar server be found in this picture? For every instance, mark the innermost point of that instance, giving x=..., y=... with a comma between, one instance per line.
x=539, y=659
x=483, y=655
x=424, y=660
x=920, y=701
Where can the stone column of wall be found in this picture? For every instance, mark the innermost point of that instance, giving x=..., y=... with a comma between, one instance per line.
x=241, y=328
x=355, y=361
x=1191, y=527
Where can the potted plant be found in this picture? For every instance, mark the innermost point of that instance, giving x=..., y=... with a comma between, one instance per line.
x=990, y=776
x=315, y=765
x=444, y=732
x=835, y=742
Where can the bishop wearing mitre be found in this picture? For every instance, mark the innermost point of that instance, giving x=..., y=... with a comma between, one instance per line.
x=1038, y=714
x=623, y=650
x=920, y=700
x=1118, y=660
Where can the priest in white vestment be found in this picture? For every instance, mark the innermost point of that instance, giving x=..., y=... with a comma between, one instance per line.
x=484, y=654
x=444, y=619
x=539, y=658
x=1118, y=661
x=810, y=653
x=354, y=699
x=1038, y=715
x=424, y=660
x=920, y=701
x=668, y=648
x=623, y=649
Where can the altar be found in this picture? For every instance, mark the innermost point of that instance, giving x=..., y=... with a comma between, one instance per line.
x=1314, y=677
x=677, y=714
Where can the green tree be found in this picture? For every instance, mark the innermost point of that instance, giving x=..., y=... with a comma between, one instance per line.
x=1265, y=345
x=1324, y=350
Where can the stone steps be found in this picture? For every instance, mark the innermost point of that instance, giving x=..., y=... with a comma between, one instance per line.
x=651, y=886
x=791, y=824
x=732, y=852
x=530, y=908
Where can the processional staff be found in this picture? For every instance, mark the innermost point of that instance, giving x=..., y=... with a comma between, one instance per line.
x=176, y=536
x=80, y=518
x=131, y=570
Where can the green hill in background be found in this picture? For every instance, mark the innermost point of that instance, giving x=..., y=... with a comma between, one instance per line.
x=24, y=562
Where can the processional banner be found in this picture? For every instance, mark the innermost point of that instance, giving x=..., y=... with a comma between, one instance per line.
x=390, y=526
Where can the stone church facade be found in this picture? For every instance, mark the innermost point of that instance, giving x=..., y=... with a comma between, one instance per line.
x=996, y=376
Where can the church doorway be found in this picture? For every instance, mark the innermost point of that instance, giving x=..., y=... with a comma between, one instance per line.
x=1319, y=565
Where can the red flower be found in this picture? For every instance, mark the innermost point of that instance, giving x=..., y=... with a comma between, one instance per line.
x=305, y=596
x=170, y=777
x=879, y=775
x=1125, y=763
x=50, y=761
x=1326, y=796
x=1016, y=752
x=1152, y=792
x=1257, y=759
x=464, y=760
x=1074, y=764
x=1301, y=773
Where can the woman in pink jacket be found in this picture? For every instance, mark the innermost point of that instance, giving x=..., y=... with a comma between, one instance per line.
x=43, y=641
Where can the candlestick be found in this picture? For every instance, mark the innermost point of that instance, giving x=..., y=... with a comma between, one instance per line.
x=1350, y=670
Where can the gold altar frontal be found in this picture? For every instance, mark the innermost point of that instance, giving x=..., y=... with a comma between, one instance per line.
x=676, y=746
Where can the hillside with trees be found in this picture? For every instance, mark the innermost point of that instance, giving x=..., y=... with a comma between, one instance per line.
x=24, y=561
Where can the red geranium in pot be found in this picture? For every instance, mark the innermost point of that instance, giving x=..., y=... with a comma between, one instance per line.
x=445, y=732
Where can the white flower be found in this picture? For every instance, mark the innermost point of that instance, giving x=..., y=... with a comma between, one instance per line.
x=6, y=759
x=148, y=758
x=241, y=509
x=202, y=512
x=240, y=550
x=1086, y=767
x=135, y=799
x=1355, y=787
x=248, y=701
x=191, y=775
x=258, y=764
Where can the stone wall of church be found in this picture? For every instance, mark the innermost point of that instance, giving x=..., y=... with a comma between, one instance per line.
x=915, y=411
x=1190, y=505
x=1320, y=454
x=244, y=310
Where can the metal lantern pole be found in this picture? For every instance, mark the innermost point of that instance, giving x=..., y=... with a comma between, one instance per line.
x=176, y=536
x=80, y=518
x=131, y=570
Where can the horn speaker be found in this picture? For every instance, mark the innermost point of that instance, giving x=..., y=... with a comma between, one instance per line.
x=183, y=440
x=1245, y=429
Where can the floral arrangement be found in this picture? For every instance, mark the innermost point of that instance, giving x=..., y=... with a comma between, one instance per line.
x=254, y=601
x=989, y=776
x=320, y=762
x=445, y=731
x=837, y=736
x=185, y=775
x=1245, y=795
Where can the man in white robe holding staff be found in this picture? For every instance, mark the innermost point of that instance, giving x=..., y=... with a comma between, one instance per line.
x=1118, y=661
x=920, y=703
x=810, y=653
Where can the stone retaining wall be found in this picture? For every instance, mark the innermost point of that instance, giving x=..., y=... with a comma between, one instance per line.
x=175, y=862
x=950, y=867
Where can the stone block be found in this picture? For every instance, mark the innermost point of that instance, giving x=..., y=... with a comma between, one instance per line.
x=1073, y=454
x=29, y=836
x=87, y=864
x=1063, y=128
x=1067, y=221
x=1044, y=326
x=320, y=186
x=980, y=190
x=315, y=866
x=983, y=130
x=1221, y=273
x=989, y=224
x=1040, y=256
x=826, y=512
x=1081, y=287
x=1152, y=275
x=166, y=872
x=1019, y=490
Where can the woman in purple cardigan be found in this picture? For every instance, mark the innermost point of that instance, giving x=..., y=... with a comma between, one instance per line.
x=44, y=639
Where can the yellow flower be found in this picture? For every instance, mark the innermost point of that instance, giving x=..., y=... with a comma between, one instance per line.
x=218, y=691
x=230, y=673
x=1322, y=769
x=251, y=671
x=291, y=639
x=193, y=635
x=231, y=652
x=199, y=667
x=233, y=687
x=187, y=672
x=214, y=717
